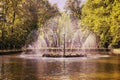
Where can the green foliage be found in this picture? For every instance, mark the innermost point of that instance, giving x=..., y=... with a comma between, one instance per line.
x=74, y=7
x=103, y=17
x=20, y=17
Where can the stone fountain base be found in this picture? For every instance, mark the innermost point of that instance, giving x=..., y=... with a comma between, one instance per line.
x=66, y=55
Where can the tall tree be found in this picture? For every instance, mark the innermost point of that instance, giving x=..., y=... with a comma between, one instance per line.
x=74, y=7
x=99, y=16
x=20, y=18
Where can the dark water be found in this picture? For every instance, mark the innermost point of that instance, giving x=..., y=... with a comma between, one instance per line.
x=15, y=67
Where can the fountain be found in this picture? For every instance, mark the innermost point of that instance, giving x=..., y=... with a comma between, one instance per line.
x=61, y=36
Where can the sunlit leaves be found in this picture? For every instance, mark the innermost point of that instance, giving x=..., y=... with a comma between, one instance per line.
x=103, y=17
x=23, y=16
x=74, y=7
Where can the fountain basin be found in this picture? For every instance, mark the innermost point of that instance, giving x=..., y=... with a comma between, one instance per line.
x=56, y=53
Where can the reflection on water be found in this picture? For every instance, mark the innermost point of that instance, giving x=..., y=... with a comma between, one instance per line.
x=18, y=68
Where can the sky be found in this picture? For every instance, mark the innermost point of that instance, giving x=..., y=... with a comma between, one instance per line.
x=60, y=3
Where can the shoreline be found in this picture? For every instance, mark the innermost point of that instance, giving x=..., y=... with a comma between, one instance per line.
x=10, y=52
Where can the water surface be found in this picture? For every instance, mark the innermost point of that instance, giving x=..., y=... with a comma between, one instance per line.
x=16, y=67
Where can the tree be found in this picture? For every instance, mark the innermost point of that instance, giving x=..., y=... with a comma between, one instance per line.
x=115, y=22
x=22, y=17
x=74, y=7
x=99, y=16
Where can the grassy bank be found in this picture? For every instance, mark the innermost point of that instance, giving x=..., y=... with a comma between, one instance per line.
x=8, y=52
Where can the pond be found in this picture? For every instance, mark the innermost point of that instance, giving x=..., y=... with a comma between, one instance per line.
x=17, y=67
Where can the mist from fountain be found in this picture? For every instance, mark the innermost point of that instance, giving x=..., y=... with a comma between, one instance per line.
x=51, y=36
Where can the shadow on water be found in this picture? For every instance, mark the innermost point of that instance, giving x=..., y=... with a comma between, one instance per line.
x=19, y=68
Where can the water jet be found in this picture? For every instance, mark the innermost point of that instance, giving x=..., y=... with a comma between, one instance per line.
x=62, y=36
